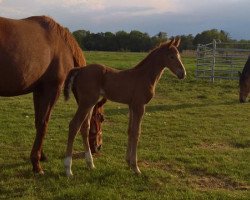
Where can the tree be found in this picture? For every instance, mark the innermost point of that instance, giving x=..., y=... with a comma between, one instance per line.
x=208, y=36
x=122, y=39
x=186, y=42
x=79, y=36
x=139, y=41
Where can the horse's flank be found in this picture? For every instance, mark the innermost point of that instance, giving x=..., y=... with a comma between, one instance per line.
x=30, y=50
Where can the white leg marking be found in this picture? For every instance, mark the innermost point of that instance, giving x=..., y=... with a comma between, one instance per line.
x=67, y=165
x=89, y=160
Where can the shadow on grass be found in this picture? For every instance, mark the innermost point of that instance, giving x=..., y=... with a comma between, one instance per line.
x=166, y=107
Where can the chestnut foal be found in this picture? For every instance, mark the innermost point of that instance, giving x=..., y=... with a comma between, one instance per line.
x=134, y=87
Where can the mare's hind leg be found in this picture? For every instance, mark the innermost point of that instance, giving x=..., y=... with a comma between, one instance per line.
x=74, y=127
x=85, y=135
x=44, y=99
x=134, y=133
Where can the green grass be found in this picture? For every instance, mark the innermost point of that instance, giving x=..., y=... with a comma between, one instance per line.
x=195, y=144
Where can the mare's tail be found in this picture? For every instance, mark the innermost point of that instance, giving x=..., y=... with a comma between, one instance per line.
x=69, y=82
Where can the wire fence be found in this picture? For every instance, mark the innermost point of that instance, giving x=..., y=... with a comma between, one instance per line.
x=218, y=60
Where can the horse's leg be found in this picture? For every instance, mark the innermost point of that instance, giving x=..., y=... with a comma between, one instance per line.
x=74, y=126
x=135, y=129
x=44, y=99
x=85, y=135
x=43, y=156
x=129, y=137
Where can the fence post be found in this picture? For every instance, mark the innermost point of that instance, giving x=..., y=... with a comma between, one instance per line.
x=213, y=61
x=197, y=60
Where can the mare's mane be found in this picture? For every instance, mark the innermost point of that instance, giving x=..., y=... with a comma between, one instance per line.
x=49, y=24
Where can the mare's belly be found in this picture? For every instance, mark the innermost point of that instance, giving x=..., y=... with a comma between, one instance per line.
x=14, y=81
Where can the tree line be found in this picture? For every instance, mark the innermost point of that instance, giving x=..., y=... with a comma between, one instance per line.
x=136, y=41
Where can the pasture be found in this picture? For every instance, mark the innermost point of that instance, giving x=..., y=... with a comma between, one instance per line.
x=195, y=144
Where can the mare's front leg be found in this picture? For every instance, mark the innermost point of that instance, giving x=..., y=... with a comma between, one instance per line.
x=136, y=113
x=85, y=135
x=44, y=98
x=74, y=127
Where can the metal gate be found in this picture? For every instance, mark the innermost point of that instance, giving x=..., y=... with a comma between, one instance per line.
x=219, y=60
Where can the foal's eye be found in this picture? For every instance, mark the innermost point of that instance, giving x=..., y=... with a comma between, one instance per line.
x=172, y=57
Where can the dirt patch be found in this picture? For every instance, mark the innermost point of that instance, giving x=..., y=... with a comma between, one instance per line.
x=212, y=182
x=202, y=180
x=215, y=146
x=198, y=178
x=225, y=146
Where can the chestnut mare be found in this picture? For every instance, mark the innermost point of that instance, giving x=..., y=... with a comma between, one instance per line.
x=36, y=54
x=134, y=87
x=245, y=82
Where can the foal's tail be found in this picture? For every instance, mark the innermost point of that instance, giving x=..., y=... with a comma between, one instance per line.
x=69, y=82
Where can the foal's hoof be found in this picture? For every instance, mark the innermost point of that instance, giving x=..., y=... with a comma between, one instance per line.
x=136, y=170
x=91, y=166
x=38, y=170
x=69, y=174
x=41, y=172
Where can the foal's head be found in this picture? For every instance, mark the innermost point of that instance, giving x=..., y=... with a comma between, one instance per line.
x=95, y=132
x=170, y=58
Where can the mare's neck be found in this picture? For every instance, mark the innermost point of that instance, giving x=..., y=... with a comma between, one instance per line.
x=246, y=69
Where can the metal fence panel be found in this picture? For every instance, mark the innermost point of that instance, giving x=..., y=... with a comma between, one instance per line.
x=219, y=60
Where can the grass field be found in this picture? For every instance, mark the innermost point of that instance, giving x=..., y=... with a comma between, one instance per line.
x=195, y=144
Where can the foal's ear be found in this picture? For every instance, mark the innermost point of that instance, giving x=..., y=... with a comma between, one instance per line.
x=239, y=73
x=177, y=42
x=171, y=42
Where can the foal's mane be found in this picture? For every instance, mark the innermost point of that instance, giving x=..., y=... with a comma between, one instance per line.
x=153, y=52
x=51, y=25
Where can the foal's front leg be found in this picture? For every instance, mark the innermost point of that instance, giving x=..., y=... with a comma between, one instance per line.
x=134, y=133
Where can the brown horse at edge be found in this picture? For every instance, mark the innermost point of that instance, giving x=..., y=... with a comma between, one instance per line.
x=244, y=82
x=36, y=55
x=134, y=87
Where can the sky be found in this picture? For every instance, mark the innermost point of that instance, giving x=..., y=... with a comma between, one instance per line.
x=175, y=17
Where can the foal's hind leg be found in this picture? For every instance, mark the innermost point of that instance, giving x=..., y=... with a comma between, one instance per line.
x=74, y=127
x=85, y=135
